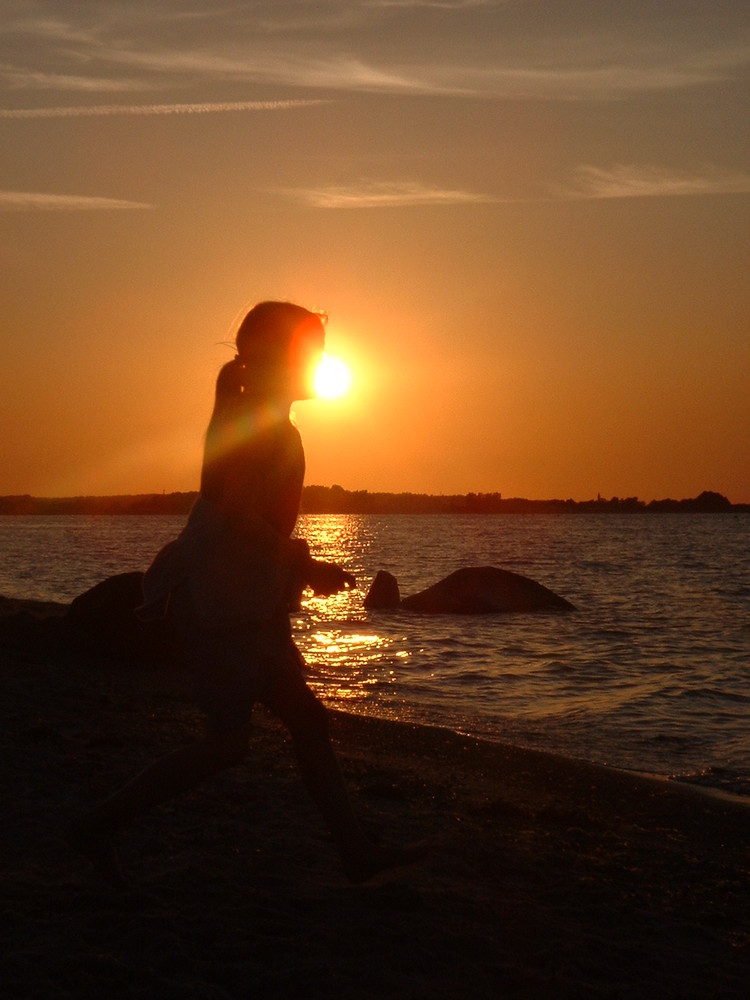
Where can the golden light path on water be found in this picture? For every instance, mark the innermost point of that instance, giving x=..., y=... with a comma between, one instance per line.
x=346, y=658
x=357, y=653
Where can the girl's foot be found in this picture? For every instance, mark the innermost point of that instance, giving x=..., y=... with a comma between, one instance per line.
x=380, y=859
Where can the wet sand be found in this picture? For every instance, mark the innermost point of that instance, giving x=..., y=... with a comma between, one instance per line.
x=546, y=878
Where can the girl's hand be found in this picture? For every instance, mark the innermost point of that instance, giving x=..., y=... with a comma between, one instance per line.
x=327, y=578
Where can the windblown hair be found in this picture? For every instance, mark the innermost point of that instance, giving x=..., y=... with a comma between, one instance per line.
x=266, y=333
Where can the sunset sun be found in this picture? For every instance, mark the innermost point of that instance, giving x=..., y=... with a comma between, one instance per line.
x=332, y=378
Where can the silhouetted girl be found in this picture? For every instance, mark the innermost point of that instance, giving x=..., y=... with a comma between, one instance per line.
x=228, y=579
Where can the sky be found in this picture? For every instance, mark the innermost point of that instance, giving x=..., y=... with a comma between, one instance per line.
x=528, y=222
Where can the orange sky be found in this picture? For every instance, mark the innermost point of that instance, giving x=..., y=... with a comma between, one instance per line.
x=530, y=230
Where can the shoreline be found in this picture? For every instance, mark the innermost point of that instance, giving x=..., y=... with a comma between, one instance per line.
x=547, y=876
x=42, y=610
x=557, y=759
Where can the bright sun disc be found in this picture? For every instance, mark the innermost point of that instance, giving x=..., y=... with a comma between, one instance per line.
x=332, y=378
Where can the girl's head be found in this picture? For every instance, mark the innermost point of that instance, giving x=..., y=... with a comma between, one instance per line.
x=279, y=345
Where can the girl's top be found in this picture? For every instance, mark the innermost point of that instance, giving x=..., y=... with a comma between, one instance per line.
x=235, y=553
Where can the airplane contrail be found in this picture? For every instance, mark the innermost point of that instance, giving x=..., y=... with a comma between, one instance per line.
x=102, y=110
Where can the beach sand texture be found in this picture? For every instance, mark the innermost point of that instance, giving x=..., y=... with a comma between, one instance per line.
x=546, y=878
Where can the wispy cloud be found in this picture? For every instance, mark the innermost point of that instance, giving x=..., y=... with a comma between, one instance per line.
x=627, y=181
x=56, y=28
x=375, y=194
x=25, y=201
x=592, y=183
x=488, y=50
x=563, y=71
x=25, y=79
x=100, y=110
x=291, y=67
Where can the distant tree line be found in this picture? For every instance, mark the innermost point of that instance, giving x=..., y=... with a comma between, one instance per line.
x=145, y=503
x=337, y=500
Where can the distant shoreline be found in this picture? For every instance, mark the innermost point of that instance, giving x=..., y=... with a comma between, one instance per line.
x=337, y=500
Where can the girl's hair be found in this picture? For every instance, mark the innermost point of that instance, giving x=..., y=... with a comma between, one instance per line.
x=271, y=338
x=266, y=333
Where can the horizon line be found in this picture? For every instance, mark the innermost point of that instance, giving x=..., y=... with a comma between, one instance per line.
x=495, y=495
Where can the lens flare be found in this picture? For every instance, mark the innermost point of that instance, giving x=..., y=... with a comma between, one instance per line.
x=332, y=378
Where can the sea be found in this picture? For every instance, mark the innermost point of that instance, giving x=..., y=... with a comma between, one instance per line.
x=650, y=673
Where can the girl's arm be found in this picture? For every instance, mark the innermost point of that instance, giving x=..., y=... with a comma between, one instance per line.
x=328, y=578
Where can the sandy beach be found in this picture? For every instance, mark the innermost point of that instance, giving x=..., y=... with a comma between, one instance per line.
x=545, y=878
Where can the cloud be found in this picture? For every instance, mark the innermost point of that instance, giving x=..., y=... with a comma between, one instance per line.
x=592, y=183
x=627, y=181
x=376, y=194
x=488, y=49
x=581, y=68
x=52, y=29
x=25, y=79
x=99, y=110
x=11, y=201
x=286, y=67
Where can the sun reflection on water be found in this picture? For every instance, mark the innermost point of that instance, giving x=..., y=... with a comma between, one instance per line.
x=346, y=665
x=336, y=646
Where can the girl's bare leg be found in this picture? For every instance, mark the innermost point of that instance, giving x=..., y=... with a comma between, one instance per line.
x=306, y=719
x=166, y=777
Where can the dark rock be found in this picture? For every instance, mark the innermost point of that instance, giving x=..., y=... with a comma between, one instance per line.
x=106, y=613
x=383, y=592
x=474, y=590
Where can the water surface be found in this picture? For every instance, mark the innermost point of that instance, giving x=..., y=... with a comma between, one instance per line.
x=652, y=671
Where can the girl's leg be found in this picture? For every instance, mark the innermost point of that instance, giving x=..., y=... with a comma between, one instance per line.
x=306, y=719
x=166, y=777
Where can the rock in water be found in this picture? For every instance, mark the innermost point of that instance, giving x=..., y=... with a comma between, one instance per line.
x=474, y=590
